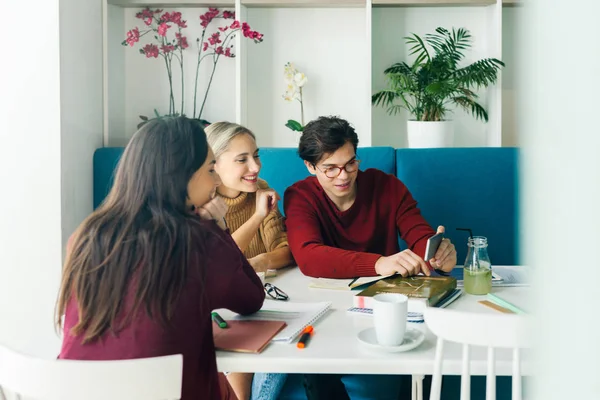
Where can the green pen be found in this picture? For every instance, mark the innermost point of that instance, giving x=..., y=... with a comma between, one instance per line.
x=219, y=320
x=503, y=303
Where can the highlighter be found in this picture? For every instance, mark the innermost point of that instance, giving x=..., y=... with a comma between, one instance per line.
x=219, y=320
x=306, y=334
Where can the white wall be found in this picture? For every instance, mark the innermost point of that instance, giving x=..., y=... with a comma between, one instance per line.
x=511, y=34
x=560, y=82
x=30, y=174
x=50, y=124
x=330, y=50
x=390, y=26
x=81, y=105
x=118, y=133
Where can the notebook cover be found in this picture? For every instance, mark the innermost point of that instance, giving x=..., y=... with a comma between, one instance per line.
x=427, y=287
x=246, y=336
x=344, y=284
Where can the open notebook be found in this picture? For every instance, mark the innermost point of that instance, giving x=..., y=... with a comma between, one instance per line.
x=297, y=316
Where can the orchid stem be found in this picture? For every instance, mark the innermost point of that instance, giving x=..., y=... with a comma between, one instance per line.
x=301, y=108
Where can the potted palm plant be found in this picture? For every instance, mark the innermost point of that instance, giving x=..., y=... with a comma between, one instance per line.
x=435, y=82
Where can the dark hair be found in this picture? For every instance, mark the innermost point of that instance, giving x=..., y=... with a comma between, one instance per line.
x=141, y=233
x=324, y=136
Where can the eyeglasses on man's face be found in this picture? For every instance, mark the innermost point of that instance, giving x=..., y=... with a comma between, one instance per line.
x=275, y=292
x=333, y=171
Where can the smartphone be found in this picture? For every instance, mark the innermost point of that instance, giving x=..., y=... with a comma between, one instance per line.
x=432, y=245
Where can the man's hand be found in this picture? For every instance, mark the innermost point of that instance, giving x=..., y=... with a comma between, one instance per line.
x=445, y=256
x=405, y=263
x=266, y=201
x=215, y=210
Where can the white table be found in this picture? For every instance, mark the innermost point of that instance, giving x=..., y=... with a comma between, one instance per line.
x=334, y=347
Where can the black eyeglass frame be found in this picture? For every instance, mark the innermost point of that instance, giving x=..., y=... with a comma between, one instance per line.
x=279, y=294
x=329, y=170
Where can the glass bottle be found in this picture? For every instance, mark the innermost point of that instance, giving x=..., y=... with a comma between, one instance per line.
x=478, y=267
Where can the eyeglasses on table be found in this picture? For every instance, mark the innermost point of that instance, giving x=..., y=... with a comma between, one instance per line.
x=275, y=293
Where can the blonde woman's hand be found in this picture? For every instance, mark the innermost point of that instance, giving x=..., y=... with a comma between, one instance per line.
x=266, y=201
x=260, y=263
x=215, y=210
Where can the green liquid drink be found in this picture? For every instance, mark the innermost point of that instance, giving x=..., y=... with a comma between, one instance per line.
x=478, y=281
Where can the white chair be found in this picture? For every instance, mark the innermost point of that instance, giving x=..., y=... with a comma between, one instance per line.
x=157, y=378
x=474, y=329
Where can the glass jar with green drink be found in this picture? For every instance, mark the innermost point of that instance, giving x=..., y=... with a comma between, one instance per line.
x=478, y=267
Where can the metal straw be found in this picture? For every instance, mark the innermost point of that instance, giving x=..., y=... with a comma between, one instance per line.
x=466, y=230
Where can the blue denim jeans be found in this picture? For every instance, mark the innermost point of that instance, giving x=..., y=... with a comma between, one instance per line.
x=267, y=386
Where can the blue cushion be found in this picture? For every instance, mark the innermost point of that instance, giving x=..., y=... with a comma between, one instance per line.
x=105, y=163
x=480, y=187
x=473, y=188
x=282, y=167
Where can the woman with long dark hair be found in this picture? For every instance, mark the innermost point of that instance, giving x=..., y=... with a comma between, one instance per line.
x=144, y=271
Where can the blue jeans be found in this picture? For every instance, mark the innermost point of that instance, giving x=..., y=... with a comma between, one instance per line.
x=267, y=386
x=355, y=387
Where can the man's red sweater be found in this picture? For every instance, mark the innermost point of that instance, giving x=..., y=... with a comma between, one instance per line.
x=329, y=243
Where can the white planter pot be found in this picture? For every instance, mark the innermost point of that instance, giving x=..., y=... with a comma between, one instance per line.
x=425, y=134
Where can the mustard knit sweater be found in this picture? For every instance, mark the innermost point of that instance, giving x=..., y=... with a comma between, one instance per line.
x=271, y=234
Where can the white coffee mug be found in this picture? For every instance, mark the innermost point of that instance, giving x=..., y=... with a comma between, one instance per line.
x=389, y=316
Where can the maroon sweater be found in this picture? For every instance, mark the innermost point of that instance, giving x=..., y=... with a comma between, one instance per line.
x=329, y=243
x=219, y=277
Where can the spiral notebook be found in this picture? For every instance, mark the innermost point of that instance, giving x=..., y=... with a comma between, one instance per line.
x=297, y=316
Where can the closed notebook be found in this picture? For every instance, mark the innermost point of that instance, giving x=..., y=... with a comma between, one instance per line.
x=246, y=336
x=422, y=291
x=344, y=284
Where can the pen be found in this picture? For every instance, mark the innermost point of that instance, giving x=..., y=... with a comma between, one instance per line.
x=303, y=341
x=220, y=321
x=353, y=280
x=503, y=303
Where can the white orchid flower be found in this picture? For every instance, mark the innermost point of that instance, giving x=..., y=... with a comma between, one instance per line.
x=294, y=81
x=289, y=67
x=300, y=79
x=289, y=78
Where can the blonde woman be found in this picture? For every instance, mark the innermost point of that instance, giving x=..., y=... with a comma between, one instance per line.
x=255, y=223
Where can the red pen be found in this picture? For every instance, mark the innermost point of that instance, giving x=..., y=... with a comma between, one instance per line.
x=306, y=334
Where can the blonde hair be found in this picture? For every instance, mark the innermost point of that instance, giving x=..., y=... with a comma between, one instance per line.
x=220, y=134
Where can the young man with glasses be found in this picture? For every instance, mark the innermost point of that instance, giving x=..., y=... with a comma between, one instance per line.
x=344, y=223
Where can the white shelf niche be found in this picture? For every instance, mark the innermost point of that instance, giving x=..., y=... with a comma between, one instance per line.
x=332, y=50
x=136, y=85
x=390, y=26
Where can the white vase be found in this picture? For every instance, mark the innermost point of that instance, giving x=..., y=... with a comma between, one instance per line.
x=425, y=134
